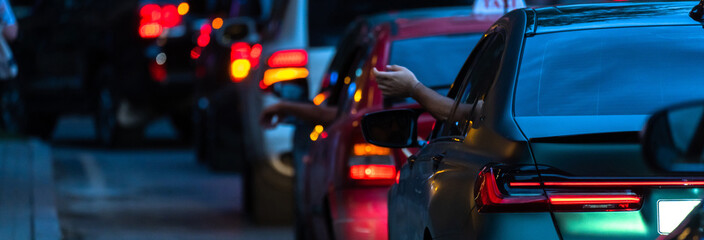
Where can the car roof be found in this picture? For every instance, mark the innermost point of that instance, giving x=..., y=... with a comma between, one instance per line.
x=611, y=15
x=433, y=21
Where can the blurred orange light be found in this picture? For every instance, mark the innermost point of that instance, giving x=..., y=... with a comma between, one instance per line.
x=368, y=149
x=275, y=75
x=240, y=69
x=319, y=99
x=217, y=23
x=150, y=30
x=183, y=8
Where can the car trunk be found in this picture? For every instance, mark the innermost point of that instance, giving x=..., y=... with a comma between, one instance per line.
x=612, y=165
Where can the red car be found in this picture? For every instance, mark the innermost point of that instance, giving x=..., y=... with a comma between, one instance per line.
x=345, y=180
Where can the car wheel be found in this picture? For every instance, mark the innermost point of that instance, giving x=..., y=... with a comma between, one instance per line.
x=267, y=196
x=200, y=140
x=225, y=148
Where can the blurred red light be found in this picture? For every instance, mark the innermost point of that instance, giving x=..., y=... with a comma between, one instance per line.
x=195, y=52
x=239, y=50
x=289, y=58
x=205, y=29
x=372, y=172
x=254, y=55
x=150, y=12
x=170, y=16
x=158, y=72
x=203, y=40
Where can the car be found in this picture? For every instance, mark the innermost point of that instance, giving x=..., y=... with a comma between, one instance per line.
x=344, y=179
x=544, y=139
x=63, y=51
x=156, y=78
x=257, y=59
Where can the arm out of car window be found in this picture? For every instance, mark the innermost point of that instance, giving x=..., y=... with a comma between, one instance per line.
x=400, y=82
x=314, y=114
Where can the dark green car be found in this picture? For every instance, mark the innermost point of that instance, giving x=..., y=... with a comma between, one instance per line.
x=554, y=150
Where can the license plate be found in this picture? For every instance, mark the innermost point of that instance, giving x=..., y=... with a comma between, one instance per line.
x=672, y=212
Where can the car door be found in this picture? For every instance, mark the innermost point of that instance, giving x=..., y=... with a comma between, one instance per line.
x=442, y=173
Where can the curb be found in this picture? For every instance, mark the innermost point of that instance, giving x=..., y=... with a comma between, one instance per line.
x=45, y=219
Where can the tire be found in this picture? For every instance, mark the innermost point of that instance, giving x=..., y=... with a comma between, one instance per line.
x=200, y=138
x=267, y=196
x=224, y=139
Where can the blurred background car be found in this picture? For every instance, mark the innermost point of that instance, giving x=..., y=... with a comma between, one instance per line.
x=261, y=55
x=345, y=180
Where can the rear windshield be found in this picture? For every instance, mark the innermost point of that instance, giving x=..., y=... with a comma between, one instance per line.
x=619, y=71
x=434, y=60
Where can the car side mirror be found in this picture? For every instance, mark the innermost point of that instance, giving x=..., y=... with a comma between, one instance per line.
x=673, y=138
x=391, y=128
x=239, y=29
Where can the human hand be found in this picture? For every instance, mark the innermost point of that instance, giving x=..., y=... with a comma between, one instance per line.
x=272, y=115
x=397, y=81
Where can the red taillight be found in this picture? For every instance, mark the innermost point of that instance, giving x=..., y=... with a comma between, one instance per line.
x=243, y=58
x=371, y=165
x=595, y=202
x=289, y=58
x=155, y=18
x=170, y=16
x=497, y=191
x=372, y=172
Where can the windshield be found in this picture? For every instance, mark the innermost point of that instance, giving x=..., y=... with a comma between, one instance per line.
x=618, y=71
x=434, y=60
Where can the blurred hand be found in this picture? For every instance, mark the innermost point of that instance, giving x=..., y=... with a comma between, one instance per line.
x=397, y=81
x=10, y=32
x=272, y=115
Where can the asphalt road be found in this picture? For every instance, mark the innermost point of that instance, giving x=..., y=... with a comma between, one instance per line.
x=155, y=191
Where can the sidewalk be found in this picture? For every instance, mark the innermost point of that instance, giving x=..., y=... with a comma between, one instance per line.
x=27, y=200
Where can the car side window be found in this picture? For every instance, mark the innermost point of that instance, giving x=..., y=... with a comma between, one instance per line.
x=477, y=79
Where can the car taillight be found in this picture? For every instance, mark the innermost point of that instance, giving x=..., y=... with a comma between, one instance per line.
x=371, y=165
x=155, y=18
x=504, y=189
x=170, y=16
x=285, y=65
x=243, y=58
x=289, y=58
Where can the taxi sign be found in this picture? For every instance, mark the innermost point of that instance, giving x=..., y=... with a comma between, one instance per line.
x=496, y=6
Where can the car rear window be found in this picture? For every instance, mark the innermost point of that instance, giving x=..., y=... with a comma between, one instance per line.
x=434, y=60
x=618, y=71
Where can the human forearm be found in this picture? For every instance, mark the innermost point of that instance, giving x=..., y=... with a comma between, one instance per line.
x=437, y=105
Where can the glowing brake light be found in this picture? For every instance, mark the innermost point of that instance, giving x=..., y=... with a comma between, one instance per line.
x=170, y=16
x=275, y=75
x=495, y=185
x=155, y=18
x=289, y=58
x=372, y=172
x=243, y=58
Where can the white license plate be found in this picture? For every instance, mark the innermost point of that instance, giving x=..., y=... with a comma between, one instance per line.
x=672, y=212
